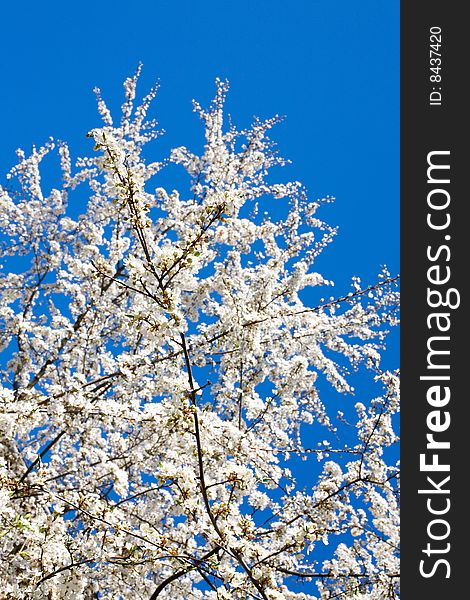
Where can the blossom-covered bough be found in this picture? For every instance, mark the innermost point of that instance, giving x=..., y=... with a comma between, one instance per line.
x=163, y=375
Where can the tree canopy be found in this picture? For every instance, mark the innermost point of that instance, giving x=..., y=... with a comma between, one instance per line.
x=165, y=370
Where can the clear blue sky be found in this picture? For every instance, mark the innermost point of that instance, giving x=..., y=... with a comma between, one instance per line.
x=330, y=66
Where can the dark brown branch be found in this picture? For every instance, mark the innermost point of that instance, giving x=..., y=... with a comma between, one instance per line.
x=182, y=572
x=62, y=569
x=202, y=482
x=50, y=445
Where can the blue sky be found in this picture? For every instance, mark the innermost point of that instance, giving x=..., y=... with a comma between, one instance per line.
x=330, y=66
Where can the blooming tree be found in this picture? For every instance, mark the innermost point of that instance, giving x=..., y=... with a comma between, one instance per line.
x=163, y=375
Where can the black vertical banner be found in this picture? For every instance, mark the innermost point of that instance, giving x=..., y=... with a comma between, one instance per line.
x=435, y=448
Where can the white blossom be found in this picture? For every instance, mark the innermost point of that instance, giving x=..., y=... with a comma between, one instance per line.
x=163, y=372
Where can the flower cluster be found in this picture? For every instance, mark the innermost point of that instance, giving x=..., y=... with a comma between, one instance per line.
x=162, y=374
